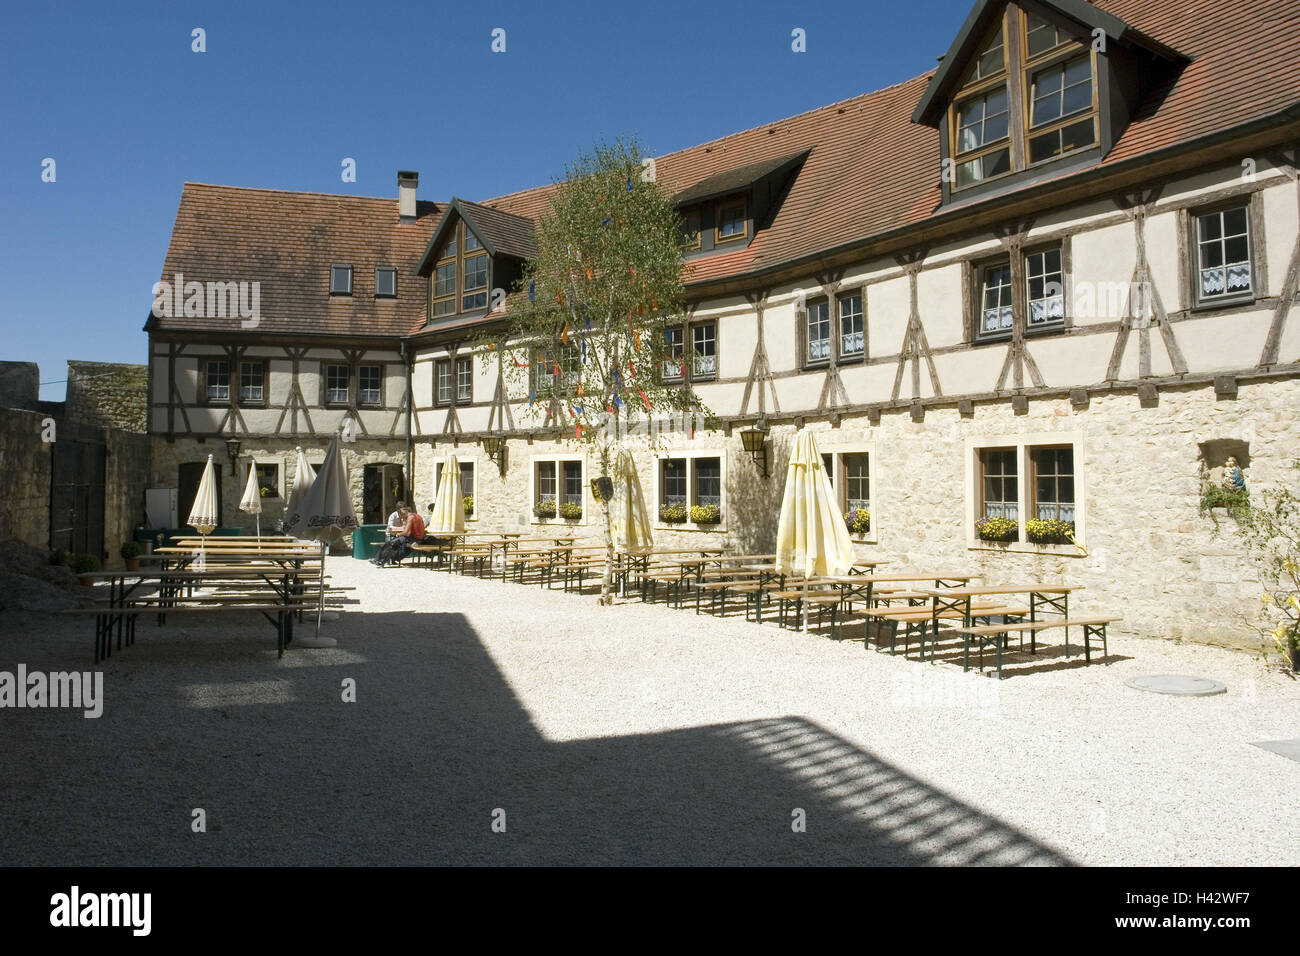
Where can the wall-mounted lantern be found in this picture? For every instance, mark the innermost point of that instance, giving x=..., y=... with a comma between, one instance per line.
x=755, y=443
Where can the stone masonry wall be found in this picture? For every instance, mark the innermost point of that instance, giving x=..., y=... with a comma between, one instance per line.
x=1148, y=553
x=108, y=394
x=25, y=470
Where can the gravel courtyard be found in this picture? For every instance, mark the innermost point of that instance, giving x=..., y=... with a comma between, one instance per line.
x=633, y=734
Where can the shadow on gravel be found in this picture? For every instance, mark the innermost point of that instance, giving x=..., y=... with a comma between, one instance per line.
x=412, y=772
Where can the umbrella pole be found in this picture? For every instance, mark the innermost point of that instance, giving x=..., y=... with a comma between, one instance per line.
x=804, y=602
x=320, y=606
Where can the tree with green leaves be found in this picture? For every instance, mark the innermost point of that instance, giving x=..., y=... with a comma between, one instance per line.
x=586, y=328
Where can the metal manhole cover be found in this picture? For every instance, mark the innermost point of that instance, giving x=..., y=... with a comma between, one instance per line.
x=1179, y=685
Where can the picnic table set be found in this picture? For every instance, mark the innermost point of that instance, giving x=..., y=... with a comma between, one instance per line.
x=813, y=571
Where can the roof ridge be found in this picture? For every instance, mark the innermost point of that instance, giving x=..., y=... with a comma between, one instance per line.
x=301, y=192
x=752, y=129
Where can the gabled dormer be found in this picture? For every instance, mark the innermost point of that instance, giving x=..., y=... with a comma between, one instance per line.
x=1033, y=89
x=726, y=210
x=474, y=250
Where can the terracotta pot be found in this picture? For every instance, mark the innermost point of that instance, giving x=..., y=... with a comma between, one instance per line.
x=86, y=581
x=132, y=564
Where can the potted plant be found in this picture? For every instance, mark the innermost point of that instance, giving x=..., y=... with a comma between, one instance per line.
x=60, y=557
x=858, y=520
x=672, y=514
x=1049, y=531
x=545, y=508
x=706, y=514
x=468, y=502
x=991, y=528
x=570, y=511
x=130, y=553
x=83, y=565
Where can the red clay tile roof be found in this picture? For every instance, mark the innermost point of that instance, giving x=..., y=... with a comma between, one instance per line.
x=869, y=170
x=287, y=241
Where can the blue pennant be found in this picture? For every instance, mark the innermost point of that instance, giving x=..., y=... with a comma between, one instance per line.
x=532, y=289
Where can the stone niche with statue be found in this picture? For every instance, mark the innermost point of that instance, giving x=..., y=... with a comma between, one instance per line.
x=1224, y=463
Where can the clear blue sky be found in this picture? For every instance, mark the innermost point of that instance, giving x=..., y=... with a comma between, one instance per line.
x=113, y=93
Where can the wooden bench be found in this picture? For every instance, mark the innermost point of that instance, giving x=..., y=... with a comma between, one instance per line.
x=918, y=619
x=279, y=613
x=1093, y=627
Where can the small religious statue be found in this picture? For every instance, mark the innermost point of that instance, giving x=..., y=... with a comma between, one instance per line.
x=1233, y=479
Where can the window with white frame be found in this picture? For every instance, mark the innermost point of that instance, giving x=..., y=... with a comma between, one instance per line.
x=370, y=385
x=217, y=381
x=336, y=384
x=1223, y=255
x=1053, y=483
x=673, y=367
x=689, y=481
x=252, y=380
x=999, y=483
x=708, y=482
x=464, y=381
x=672, y=482
x=558, y=483
x=704, y=350
x=857, y=482
x=995, y=315
x=817, y=328
x=442, y=384
x=852, y=331
x=1028, y=480
x=1045, y=281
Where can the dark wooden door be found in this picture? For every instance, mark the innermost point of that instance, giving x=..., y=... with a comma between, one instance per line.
x=77, y=491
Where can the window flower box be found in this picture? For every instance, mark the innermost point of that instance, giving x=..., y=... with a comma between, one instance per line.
x=468, y=502
x=570, y=511
x=706, y=514
x=672, y=514
x=1049, y=531
x=544, y=509
x=997, y=529
x=858, y=520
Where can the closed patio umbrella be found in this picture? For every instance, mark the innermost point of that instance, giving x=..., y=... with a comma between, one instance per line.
x=251, y=503
x=628, y=515
x=203, y=513
x=325, y=514
x=448, y=505
x=303, y=477
x=811, y=538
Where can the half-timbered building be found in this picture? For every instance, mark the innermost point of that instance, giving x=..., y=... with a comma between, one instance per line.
x=1050, y=280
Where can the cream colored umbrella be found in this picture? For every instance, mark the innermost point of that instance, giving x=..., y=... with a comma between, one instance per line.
x=303, y=477
x=811, y=537
x=448, y=505
x=251, y=503
x=628, y=516
x=325, y=514
x=203, y=513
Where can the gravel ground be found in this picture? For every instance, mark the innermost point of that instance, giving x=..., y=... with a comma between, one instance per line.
x=634, y=734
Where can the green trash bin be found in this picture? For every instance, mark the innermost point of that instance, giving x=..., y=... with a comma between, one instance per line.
x=367, y=540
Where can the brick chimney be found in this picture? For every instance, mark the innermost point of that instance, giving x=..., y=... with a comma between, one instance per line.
x=407, y=180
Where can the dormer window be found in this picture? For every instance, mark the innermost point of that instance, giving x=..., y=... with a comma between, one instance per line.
x=340, y=280
x=1061, y=93
x=691, y=230
x=460, y=274
x=732, y=223
x=998, y=126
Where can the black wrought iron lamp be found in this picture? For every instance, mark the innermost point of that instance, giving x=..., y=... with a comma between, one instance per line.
x=232, y=450
x=755, y=442
x=496, y=450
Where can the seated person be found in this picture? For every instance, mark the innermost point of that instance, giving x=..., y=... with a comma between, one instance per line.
x=394, y=549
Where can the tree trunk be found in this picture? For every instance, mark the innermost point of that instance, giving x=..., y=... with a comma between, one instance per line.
x=607, y=579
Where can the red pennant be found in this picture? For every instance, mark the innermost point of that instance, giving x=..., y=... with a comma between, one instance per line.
x=519, y=364
x=641, y=392
x=577, y=432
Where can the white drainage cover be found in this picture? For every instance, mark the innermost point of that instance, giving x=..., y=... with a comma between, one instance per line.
x=1180, y=685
